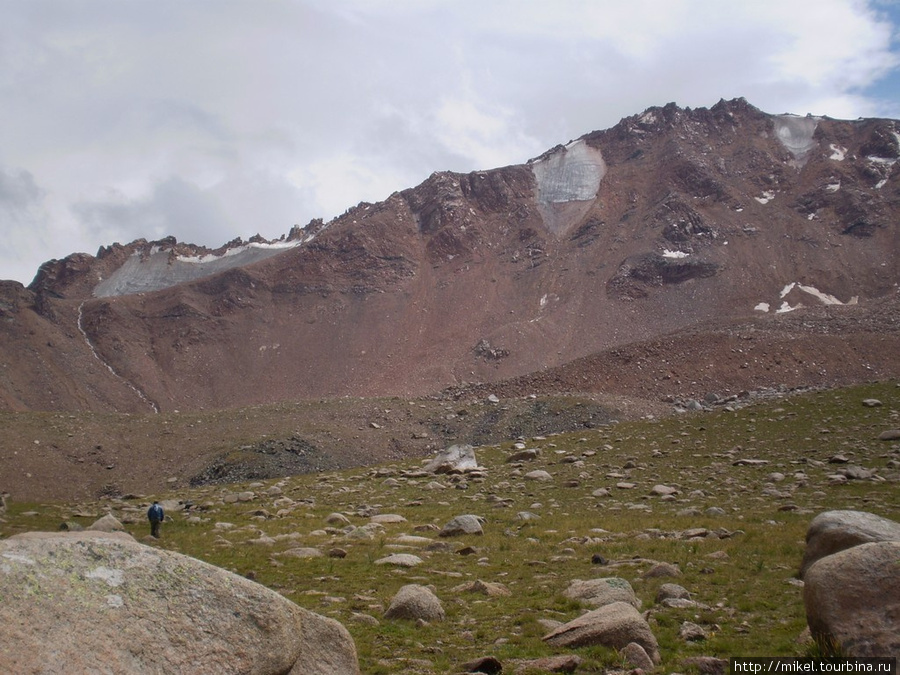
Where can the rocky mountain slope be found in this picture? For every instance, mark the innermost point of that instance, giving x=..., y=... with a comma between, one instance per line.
x=674, y=243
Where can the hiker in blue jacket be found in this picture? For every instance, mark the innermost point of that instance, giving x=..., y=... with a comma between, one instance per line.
x=155, y=515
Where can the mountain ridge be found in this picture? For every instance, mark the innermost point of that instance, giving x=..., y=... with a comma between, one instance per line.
x=674, y=218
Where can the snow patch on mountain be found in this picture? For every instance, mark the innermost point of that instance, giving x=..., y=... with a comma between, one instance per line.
x=823, y=298
x=142, y=272
x=885, y=161
x=238, y=250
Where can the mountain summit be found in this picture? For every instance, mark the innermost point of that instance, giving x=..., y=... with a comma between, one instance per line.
x=674, y=221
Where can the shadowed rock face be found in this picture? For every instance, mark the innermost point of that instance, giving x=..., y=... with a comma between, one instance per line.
x=672, y=219
x=101, y=602
x=637, y=275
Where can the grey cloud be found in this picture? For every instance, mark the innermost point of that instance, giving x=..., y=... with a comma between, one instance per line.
x=208, y=120
x=19, y=193
x=175, y=205
x=23, y=223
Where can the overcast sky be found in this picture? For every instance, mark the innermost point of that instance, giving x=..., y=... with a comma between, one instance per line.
x=213, y=119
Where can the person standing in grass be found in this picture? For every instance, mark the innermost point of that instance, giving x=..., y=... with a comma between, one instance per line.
x=155, y=515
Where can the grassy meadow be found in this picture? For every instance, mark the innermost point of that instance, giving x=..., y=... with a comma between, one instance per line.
x=742, y=574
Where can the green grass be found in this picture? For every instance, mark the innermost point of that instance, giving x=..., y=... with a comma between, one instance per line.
x=751, y=604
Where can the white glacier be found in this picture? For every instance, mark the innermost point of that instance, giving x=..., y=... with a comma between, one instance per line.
x=570, y=174
x=796, y=134
x=143, y=272
x=566, y=183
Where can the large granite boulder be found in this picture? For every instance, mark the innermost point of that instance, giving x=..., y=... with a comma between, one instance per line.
x=80, y=602
x=614, y=625
x=852, y=599
x=834, y=531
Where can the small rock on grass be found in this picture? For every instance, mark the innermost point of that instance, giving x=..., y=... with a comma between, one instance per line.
x=465, y=524
x=691, y=632
x=672, y=591
x=599, y=592
x=400, y=559
x=563, y=663
x=301, y=552
x=416, y=603
x=662, y=570
x=637, y=657
x=488, y=588
x=706, y=665
x=485, y=664
x=107, y=523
